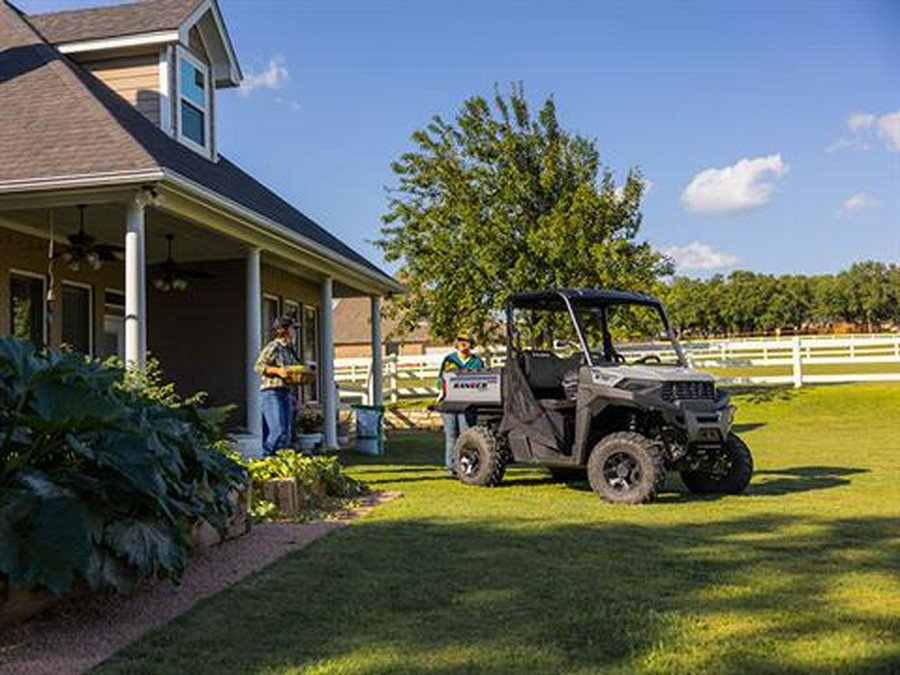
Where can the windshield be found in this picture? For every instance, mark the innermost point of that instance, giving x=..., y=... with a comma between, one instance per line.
x=627, y=333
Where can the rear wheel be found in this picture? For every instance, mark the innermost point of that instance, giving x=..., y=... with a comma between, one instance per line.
x=480, y=458
x=728, y=473
x=626, y=468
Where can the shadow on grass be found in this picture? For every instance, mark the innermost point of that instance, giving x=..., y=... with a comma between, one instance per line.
x=763, y=393
x=802, y=479
x=752, y=594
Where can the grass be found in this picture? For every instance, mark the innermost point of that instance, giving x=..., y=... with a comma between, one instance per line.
x=801, y=575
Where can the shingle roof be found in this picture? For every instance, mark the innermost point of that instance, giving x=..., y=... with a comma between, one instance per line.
x=102, y=22
x=353, y=325
x=59, y=120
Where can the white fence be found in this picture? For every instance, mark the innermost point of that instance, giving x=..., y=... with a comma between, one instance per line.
x=792, y=360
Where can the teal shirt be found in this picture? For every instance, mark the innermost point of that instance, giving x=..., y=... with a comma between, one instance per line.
x=454, y=362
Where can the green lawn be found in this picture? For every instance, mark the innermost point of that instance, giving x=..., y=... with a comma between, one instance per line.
x=802, y=575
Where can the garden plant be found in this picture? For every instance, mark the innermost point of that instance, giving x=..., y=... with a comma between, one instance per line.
x=103, y=472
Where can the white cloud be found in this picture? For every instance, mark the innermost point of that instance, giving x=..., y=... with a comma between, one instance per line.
x=889, y=129
x=858, y=202
x=855, y=143
x=865, y=127
x=736, y=188
x=699, y=256
x=857, y=121
x=272, y=77
x=290, y=103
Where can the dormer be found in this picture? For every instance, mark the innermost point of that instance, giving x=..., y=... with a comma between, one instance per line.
x=166, y=57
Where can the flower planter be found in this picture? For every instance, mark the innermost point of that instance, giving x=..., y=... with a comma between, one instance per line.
x=308, y=442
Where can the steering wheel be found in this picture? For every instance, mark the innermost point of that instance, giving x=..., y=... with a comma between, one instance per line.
x=648, y=358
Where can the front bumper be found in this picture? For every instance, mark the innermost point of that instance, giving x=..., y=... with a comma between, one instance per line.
x=711, y=425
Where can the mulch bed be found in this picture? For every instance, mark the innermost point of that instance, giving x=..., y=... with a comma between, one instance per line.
x=80, y=634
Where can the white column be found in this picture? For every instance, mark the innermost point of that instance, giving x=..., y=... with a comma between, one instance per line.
x=254, y=342
x=376, y=395
x=326, y=367
x=135, y=284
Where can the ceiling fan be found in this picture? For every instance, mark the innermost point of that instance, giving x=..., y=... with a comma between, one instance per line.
x=84, y=250
x=173, y=276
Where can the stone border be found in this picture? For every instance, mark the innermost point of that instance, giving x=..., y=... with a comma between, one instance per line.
x=80, y=634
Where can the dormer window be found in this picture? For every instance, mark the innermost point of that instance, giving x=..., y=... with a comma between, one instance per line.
x=193, y=102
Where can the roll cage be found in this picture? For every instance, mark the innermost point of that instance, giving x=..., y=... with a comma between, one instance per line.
x=571, y=301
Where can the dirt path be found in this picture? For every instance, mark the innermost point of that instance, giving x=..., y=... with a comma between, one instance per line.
x=77, y=636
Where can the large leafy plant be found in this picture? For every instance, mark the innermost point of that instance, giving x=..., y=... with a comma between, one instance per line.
x=102, y=474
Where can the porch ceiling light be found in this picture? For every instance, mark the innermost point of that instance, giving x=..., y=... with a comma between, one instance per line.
x=174, y=277
x=84, y=249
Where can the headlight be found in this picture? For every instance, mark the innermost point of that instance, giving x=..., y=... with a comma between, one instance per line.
x=639, y=386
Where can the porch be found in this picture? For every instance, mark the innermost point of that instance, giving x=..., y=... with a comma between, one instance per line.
x=174, y=278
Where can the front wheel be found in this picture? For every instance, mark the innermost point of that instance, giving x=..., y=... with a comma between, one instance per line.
x=626, y=468
x=728, y=473
x=480, y=459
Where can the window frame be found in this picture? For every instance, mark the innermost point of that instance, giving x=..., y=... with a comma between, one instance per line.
x=106, y=291
x=317, y=355
x=45, y=341
x=298, y=317
x=267, y=326
x=206, y=150
x=90, y=289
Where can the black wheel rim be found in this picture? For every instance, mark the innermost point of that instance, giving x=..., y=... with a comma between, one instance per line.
x=621, y=472
x=469, y=461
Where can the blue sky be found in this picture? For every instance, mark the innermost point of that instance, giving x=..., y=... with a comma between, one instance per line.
x=769, y=131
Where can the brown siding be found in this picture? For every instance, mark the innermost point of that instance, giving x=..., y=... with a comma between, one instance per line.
x=199, y=334
x=289, y=286
x=135, y=78
x=27, y=253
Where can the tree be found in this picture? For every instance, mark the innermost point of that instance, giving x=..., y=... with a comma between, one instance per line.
x=496, y=202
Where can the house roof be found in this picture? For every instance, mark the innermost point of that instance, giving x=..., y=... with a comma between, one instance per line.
x=103, y=22
x=57, y=120
x=353, y=325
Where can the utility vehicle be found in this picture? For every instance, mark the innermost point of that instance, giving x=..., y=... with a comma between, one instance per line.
x=595, y=381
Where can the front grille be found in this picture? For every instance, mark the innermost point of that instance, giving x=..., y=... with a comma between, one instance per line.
x=691, y=391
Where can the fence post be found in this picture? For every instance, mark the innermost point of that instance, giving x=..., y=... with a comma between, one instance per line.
x=798, y=364
x=392, y=364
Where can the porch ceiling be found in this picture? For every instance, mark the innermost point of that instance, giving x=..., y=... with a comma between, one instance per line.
x=106, y=222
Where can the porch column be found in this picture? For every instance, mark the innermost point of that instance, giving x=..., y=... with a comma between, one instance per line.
x=135, y=284
x=329, y=402
x=376, y=395
x=254, y=342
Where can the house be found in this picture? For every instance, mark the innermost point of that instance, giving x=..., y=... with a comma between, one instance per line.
x=353, y=330
x=118, y=206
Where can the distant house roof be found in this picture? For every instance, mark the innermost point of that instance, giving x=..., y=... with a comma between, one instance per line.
x=103, y=22
x=58, y=121
x=353, y=325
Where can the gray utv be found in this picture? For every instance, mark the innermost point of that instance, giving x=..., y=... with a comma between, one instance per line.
x=595, y=382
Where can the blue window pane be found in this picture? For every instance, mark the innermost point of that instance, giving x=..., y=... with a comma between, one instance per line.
x=192, y=124
x=193, y=83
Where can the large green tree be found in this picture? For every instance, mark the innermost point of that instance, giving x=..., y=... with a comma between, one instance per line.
x=498, y=201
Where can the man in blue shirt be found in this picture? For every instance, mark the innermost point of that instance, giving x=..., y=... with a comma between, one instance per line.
x=456, y=423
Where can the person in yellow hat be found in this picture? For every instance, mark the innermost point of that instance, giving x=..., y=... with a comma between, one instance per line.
x=456, y=423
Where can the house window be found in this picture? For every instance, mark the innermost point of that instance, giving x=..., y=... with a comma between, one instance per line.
x=292, y=309
x=26, y=305
x=114, y=324
x=270, y=311
x=193, y=101
x=310, y=355
x=77, y=317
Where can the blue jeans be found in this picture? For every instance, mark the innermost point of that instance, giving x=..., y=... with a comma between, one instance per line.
x=454, y=425
x=278, y=430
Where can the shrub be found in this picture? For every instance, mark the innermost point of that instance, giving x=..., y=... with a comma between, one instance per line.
x=102, y=476
x=310, y=472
